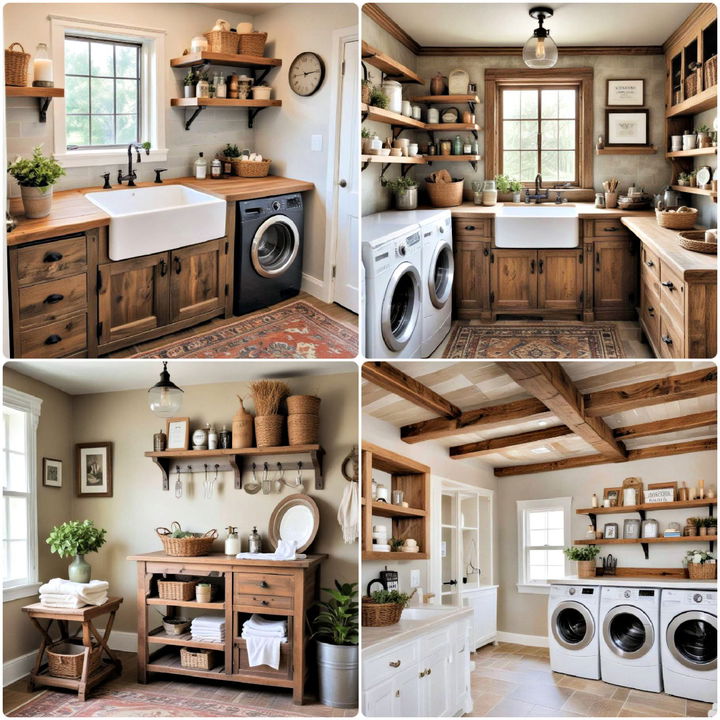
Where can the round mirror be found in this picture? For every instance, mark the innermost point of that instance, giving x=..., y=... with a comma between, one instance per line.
x=295, y=518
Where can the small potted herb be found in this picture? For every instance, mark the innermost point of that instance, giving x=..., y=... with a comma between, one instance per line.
x=378, y=98
x=36, y=177
x=76, y=538
x=692, y=526
x=189, y=82
x=395, y=544
x=404, y=190
x=703, y=136
x=702, y=525
x=585, y=558
x=712, y=526
x=383, y=607
x=365, y=136
x=505, y=184
x=692, y=178
x=701, y=565
x=683, y=179
x=365, y=88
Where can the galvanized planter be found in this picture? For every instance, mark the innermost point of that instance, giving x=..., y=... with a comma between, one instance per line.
x=338, y=675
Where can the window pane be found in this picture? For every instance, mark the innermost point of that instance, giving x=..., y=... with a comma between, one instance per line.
x=17, y=472
x=77, y=57
x=15, y=429
x=126, y=129
x=566, y=101
x=511, y=134
x=17, y=518
x=17, y=568
x=528, y=166
x=102, y=96
x=511, y=164
x=101, y=59
x=528, y=135
x=537, y=520
x=538, y=572
x=566, y=166
x=555, y=537
x=77, y=95
x=537, y=557
x=126, y=61
x=528, y=104
x=511, y=103
x=555, y=557
x=538, y=537
x=550, y=103
x=77, y=128
x=556, y=519
x=126, y=96
x=549, y=129
x=566, y=134
x=102, y=130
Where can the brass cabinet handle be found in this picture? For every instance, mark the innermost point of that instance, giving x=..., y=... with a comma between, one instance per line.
x=54, y=298
x=394, y=663
x=422, y=674
x=429, y=670
x=52, y=257
x=397, y=693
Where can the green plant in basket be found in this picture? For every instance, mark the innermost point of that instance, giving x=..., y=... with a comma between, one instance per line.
x=699, y=557
x=583, y=553
x=395, y=597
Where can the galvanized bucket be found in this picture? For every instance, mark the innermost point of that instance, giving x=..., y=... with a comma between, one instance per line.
x=338, y=675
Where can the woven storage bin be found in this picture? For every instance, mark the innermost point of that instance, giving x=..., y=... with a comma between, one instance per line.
x=222, y=41
x=176, y=589
x=176, y=628
x=303, y=429
x=702, y=571
x=203, y=594
x=710, y=70
x=234, y=163
x=252, y=168
x=199, y=659
x=185, y=547
x=303, y=405
x=695, y=240
x=380, y=614
x=269, y=430
x=65, y=660
x=445, y=194
x=691, y=85
x=676, y=221
x=586, y=568
x=16, y=66
x=252, y=43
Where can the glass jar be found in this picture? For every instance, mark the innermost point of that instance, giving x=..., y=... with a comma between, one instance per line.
x=42, y=67
x=445, y=147
x=202, y=89
x=489, y=193
x=254, y=541
x=457, y=146
x=433, y=116
x=393, y=90
x=220, y=87
x=432, y=149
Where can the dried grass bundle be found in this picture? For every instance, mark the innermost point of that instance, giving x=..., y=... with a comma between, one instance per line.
x=267, y=396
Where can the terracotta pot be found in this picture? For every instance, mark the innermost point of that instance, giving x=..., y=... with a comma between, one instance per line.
x=586, y=568
x=37, y=201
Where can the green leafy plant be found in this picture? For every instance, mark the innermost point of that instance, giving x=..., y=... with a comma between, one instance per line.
x=582, y=554
x=400, y=186
x=182, y=534
x=703, y=129
x=231, y=151
x=699, y=556
x=365, y=82
x=515, y=186
x=695, y=522
x=37, y=171
x=190, y=78
x=76, y=538
x=505, y=183
x=395, y=544
x=337, y=621
x=381, y=597
x=378, y=98
x=365, y=133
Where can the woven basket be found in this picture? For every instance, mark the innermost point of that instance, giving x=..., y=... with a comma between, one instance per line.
x=445, y=194
x=222, y=41
x=65, y=660
x=586, y=568
x=185, y=547
x=695, y=240
x=691, y=85
x=702, y=571
x=252, y=168
x=200, y=659
x=176, y=628
x=303, y=405
x=203, y=594
x=676, y=221
x=176, y=589
x=710, y=70
x=380, y=614
x=269, y=430
x=252, y=43
x=303, y=429
x=16, y=66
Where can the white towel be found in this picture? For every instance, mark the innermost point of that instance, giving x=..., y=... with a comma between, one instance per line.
x=347, y=514
x=51, y=600
x=252, y=632
x=286, y=550
x=211, y=621
x=263, y=651
x=85, y=591
x=258, y=622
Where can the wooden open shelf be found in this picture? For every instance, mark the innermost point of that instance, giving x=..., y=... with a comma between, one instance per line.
x=158, y=636
x=169, y=662
x=627, y=150
x=376, y=114
x=44, y=96
x=704, y=100
x=389, y=510
x=652, y=541
x=388, y=66
x=445, y=99
x=223, y=102
x=226, y=59
x=692, y=153
x=622, y=509
x=185, y=603
x=693, y=190
x=393, y=160
x=453, y=158
x=452, y=127
x=383, y=556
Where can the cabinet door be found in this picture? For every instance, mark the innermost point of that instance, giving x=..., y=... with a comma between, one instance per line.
x=132, y=297
x=616, y=279
x=378, y=701
x=405, y=695
x=513, y=279
x=435, y=686
x=197, y=282
x=560, y=279
x=471, y=284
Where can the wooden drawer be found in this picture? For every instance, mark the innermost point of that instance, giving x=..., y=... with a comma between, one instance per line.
x=46, y=302
x=672, y=294
x=51, y=260
x=649, y=261
x=241, y=664
x=672, y=340
x=605, y=228
x=389, y=664
x=263, y=584
x=650, y=314
x=171, y=568
x=57, y=339
x=259, y=602
x=469, y=229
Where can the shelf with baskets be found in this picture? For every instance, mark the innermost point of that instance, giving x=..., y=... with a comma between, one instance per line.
x=167, y=660
x=44, y=96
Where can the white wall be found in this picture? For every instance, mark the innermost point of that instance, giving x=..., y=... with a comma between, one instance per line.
x=707, y=207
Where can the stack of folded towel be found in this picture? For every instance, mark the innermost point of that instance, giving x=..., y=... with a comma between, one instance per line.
x=66, y=594
x=264, y=638
x=286, y=550
x=208, y=628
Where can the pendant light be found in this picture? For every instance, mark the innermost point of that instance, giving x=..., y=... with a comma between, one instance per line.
x=540, y=50
x=165, y=396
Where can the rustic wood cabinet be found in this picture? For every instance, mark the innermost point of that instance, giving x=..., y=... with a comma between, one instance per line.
x=472, y=239
x=197, y=280
x=615, y=283
x=560, y=279
x=513, y=280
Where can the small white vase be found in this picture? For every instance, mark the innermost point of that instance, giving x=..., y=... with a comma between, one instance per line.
x=37, y=201
x=689, y=142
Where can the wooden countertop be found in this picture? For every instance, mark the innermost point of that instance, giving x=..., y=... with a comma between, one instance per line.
x=72, y=212
x=586, y=211
x=665, y=243
x=221, y=559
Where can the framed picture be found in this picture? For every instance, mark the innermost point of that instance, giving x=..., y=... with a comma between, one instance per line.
x=665, y=486
x=614, y=495
x=659, y=495
x=52, y=472
x=178, y=433
x=93, y=469
x=610, y=531
x=626, y=127
x=625, y=93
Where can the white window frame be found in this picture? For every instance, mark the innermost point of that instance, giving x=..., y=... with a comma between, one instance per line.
x=524, y=585
x=30, y=405
x=153, y=101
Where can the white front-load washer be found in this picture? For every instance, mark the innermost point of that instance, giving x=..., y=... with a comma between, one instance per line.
x=688, y=627
x=573, y=613
x=392, y=258
x=630, y=642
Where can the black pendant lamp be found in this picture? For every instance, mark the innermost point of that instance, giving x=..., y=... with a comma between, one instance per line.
x=165, y=396
x=540, y=50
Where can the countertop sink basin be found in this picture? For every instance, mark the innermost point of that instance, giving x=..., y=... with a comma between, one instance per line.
x=425, y=613
x=537, y=226
x=155, y=219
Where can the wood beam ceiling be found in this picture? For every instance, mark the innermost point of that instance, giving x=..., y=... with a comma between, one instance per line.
x=659, y=427
x=499, y=444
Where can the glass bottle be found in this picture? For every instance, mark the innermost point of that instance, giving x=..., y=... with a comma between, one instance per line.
x=200, y=167
x=216, y=169
x=489, y=193
x=202, y=89
x=457, y=146
x=254, y=541
x=42, y=67
x=225, y=438
x=212, y=437
x=220, y=87
x=232, y=541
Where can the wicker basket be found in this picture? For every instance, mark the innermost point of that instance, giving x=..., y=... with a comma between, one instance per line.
x=702, y=571
x=176, y=589
x=222, y=41
x=691, y=85
x=185, y=547
x=446, y=194
x=269, y=430
x=203, y=594
x=380, y=614
x=303, y=405
x=65, y=660
x=710, y=70
x=676, y=221
x=303, y=429
x=252, y=43
x=199, y=659
x=16, y=66
x=252, y=168
x=695, y=240
x=586, y=568
x=176, y=628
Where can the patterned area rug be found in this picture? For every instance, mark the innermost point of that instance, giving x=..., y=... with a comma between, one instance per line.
x=536, y=342
x=294, y=331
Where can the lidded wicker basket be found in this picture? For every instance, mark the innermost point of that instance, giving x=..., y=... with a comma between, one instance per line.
x=222, y=41
x=676, y=220
x=380, y=614
x=252, y=43
x=16, y=65
x=188, y=546
x=702, y=571
x=176, y=589
x=65, y=660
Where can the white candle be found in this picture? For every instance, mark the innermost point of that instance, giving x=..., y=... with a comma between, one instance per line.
x=42, y=70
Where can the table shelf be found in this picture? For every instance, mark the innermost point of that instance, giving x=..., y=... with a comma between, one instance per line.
x=158, y=636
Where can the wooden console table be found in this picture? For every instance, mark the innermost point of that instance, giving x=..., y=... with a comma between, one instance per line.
x=240, y=588
x=85, y=616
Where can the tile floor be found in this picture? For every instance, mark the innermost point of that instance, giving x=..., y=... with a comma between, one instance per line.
x=516, y=681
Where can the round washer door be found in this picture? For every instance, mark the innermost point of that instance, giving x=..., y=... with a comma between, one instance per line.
x=572, y=625
x=628, y=632
x=401, y=306
x=440, y=275
x=692, y=639
x=274, y=246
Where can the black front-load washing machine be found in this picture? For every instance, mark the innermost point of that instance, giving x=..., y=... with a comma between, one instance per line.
x=268, y=251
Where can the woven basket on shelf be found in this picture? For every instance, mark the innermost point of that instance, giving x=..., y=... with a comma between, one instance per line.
x=691, y=85
x=222, y=41
x=676, y=220
x=65, y=660
x=178, y=628
x=252, y=168
x=710, y=70
x=380, y=614
x=176, y=589
x=445, y=194
x=252, y=43
x=200, y=659
x=303, y=405
x=16, y=66
x=303, y=429
x=702, y=571
x=269, y=430
x=695, y=240
x=185, y=547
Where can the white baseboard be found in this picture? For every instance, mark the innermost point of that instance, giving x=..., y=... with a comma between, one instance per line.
x=314, y=287
x=518, y=639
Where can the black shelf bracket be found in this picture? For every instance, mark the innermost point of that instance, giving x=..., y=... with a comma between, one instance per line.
x=593, y=520
x=365, y=165
x=252, y=114
x=405, y=169
x=189, y=121
x=646, y=550
x=473, y=165
x=397, y=130
x=43, y=105
x=259, y=76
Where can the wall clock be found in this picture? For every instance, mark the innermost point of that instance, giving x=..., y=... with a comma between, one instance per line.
x=306, y=73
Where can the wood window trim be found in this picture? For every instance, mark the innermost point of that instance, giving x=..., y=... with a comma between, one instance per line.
x=524, y=77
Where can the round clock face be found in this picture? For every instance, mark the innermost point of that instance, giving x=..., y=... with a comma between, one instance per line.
x=307, y=73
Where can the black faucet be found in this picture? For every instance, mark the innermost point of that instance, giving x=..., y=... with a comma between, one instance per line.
x=539, y=196
x=131, y=174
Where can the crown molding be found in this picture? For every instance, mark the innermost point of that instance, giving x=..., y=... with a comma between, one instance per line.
x=391, y=27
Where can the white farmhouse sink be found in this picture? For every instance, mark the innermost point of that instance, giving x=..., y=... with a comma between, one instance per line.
x=537, y=226
x=425, y=613
x=153, y=219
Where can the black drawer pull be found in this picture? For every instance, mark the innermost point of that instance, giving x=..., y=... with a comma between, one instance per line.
x=52, y=257
x=263, y=584
x=650, y=263
x=540, y=266
x=264, y=602
x=612, y=228
x=651, y=311
x=163, y=268
x=178, y=265
x=469, y=227
x=532, y=267
x=667, y=339
x=53, y=340
x=667, y=284
x=54, y=298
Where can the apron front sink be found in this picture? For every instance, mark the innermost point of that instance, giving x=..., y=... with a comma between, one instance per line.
x=537, y=226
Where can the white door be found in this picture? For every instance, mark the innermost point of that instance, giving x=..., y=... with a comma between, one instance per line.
x=346, y=290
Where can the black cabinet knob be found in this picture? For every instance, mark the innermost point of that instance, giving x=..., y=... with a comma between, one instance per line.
x=54, y=298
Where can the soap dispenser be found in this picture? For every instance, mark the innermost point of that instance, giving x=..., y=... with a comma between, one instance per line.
x=201, y=167
x=232, y=541
x=254, y=541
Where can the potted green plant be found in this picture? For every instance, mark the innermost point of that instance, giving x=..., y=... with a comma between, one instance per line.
x=395, y=544
x=365, y=136
x=383, y=607
x=585, y=558
x=36, y=177
x=692, y=178
x=335, y=629
x=365, y=86
x=505, y=184
x=404, y=190
x=701, y=565
x=703, y=136
x=712, y=526
x=692, y=526
x=703, y=524
x=683, y=179
x=378, y=98
x=189, y=82
x=75, y=538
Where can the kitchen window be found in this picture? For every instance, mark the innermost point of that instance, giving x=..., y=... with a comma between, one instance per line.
x=21, y=413
x=543, y=531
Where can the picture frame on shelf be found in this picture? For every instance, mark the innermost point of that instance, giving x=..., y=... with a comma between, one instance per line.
x=178, y=433
x=620, y=92
x=614, y=495
x=627, y=127
x=659, y=495
x=631, y=529
x=610, y=531
x=52, y=472
x=662, y=486
x=93, y=469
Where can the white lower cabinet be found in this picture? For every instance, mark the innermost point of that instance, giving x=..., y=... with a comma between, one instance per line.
x=484, y=606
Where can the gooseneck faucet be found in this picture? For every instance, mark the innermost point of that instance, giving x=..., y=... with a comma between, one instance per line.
x=131, y=174
x=539, y=195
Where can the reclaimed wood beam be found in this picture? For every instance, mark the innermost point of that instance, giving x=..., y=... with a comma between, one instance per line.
x=499, y=444
x=659, y=427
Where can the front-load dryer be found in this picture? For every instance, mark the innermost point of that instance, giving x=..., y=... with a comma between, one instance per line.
x=688, y=627
x=630, y=643
x=392, y=258
x=573, y=612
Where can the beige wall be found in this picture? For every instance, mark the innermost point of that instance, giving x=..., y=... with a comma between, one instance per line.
x=527, y=614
